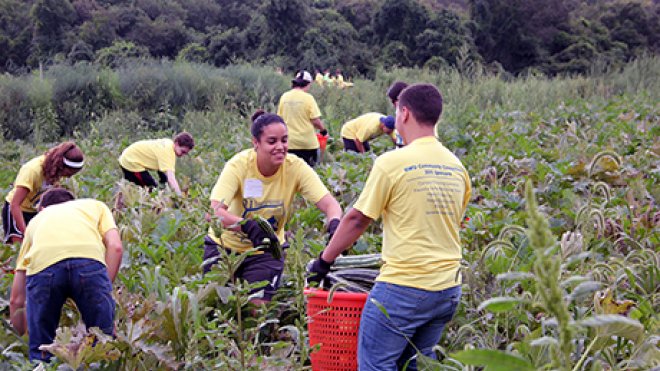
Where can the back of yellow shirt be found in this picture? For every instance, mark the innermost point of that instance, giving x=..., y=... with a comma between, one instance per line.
x=154, y=154
x=421, y=191
x=30, y=176
x=71, y=229
x=363, y=128
x=298, y=108
x=247, y=193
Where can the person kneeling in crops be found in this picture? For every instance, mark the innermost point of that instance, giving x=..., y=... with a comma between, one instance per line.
x=356, y=133
x=422, y=191
x=33, y=179
x=71, y=249
x=155, y=154
x=257, y=187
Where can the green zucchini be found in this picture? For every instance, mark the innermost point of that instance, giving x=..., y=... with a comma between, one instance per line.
x=357, y=261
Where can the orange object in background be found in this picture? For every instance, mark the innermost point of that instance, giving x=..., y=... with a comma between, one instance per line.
x=323, y=140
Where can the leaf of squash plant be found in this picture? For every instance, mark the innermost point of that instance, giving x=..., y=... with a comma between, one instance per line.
x=493, y=360
x=500, y=304
x=608, y=325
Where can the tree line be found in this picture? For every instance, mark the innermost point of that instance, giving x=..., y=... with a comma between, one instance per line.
x=357, y=36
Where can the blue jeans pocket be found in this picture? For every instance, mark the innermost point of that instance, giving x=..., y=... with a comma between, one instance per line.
x=39, y=287
x=97, y=284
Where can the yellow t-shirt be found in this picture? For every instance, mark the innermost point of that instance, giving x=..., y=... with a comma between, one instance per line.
x=154, y=154
x=298, y=108
x=363, y=128
x=30, y=176
x=422, y=191
x=248, y=193
x=73, y=229
x=319, y=79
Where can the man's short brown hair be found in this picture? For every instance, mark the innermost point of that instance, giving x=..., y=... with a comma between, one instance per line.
x=395, y=90
x=56, y=196
x=424, y=101
x=184, y=139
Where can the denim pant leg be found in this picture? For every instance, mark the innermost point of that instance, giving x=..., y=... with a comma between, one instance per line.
x=46, y=294
x=382, y=341
x=91, y=290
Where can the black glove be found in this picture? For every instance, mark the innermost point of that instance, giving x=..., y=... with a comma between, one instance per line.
x=332, y=228
x=255, y=233
x=323, y=132
x=318, y=269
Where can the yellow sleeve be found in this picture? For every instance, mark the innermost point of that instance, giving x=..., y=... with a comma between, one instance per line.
x=376, y=193
x=106, y=222
x=27, y=177
x=166, y=158
x=309, y=183
x=229, y=182
x=468, y=191
x=313, y=109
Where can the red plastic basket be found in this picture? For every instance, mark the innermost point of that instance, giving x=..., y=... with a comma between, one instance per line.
x=334, y=326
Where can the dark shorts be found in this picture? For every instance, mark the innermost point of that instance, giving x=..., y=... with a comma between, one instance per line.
x=144, y=178
x=9, y=223
x=255, y=268
x=349, y=145
x=311, y=156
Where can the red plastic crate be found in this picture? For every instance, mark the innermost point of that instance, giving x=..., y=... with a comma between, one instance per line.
x=335, y=327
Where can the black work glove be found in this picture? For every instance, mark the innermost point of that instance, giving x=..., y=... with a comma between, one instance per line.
x=323, y=132
x=332, y=228
x=318, y=269
x=255, y=233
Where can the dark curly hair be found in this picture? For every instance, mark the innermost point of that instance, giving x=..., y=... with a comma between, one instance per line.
x=53, y=167
x=261, y=119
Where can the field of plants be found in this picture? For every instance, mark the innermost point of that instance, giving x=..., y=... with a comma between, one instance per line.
x=561, y=259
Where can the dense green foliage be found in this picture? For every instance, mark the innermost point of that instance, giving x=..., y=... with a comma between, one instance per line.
x=558, y=36
x=579, y=289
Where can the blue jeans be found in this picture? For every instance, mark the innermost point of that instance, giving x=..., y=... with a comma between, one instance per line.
x=416, y=315
x=86, y=281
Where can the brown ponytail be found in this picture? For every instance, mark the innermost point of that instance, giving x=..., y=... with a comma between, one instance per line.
x=54, y=166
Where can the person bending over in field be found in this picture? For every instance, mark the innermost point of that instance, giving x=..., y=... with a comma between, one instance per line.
x=301, y=113
x=71, y=249
x=155, y=154
x=393, y=94
x=421, y=191
x=262, y=182
x=34, y=178
x=357, y=132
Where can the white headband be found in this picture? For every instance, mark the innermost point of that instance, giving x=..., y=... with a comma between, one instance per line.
x=73, y=164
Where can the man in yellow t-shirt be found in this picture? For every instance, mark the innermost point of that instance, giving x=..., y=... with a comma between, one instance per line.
x=155, y=154
x=302, y=115
x=357, y=133
x=421, y=191
x=72, y=248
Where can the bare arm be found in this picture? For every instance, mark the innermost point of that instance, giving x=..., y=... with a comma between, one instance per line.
x=17, y=303
x=318, y=123
x=113, y=252
x=350, y=229
x=229, y=220
x=359, y=145
x=15, y=207
x=330, y=207
x=171, y=180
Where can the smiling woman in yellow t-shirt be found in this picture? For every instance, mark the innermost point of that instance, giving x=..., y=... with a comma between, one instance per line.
x=155, y=154
x=263, y=182
x=357, y=133
x=35, y=177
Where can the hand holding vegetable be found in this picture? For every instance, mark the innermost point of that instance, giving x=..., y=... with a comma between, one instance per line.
x=262, y=234
x=318, y=269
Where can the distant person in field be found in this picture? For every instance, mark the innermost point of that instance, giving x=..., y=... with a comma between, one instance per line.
x=393, y=94
x=318, y=77
x=302, y=115
x=357, y=133
x=156, y=154
x=421, y=191
x=339, y=78
x=34, y=178
x=71, y=249
x=263, y=181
